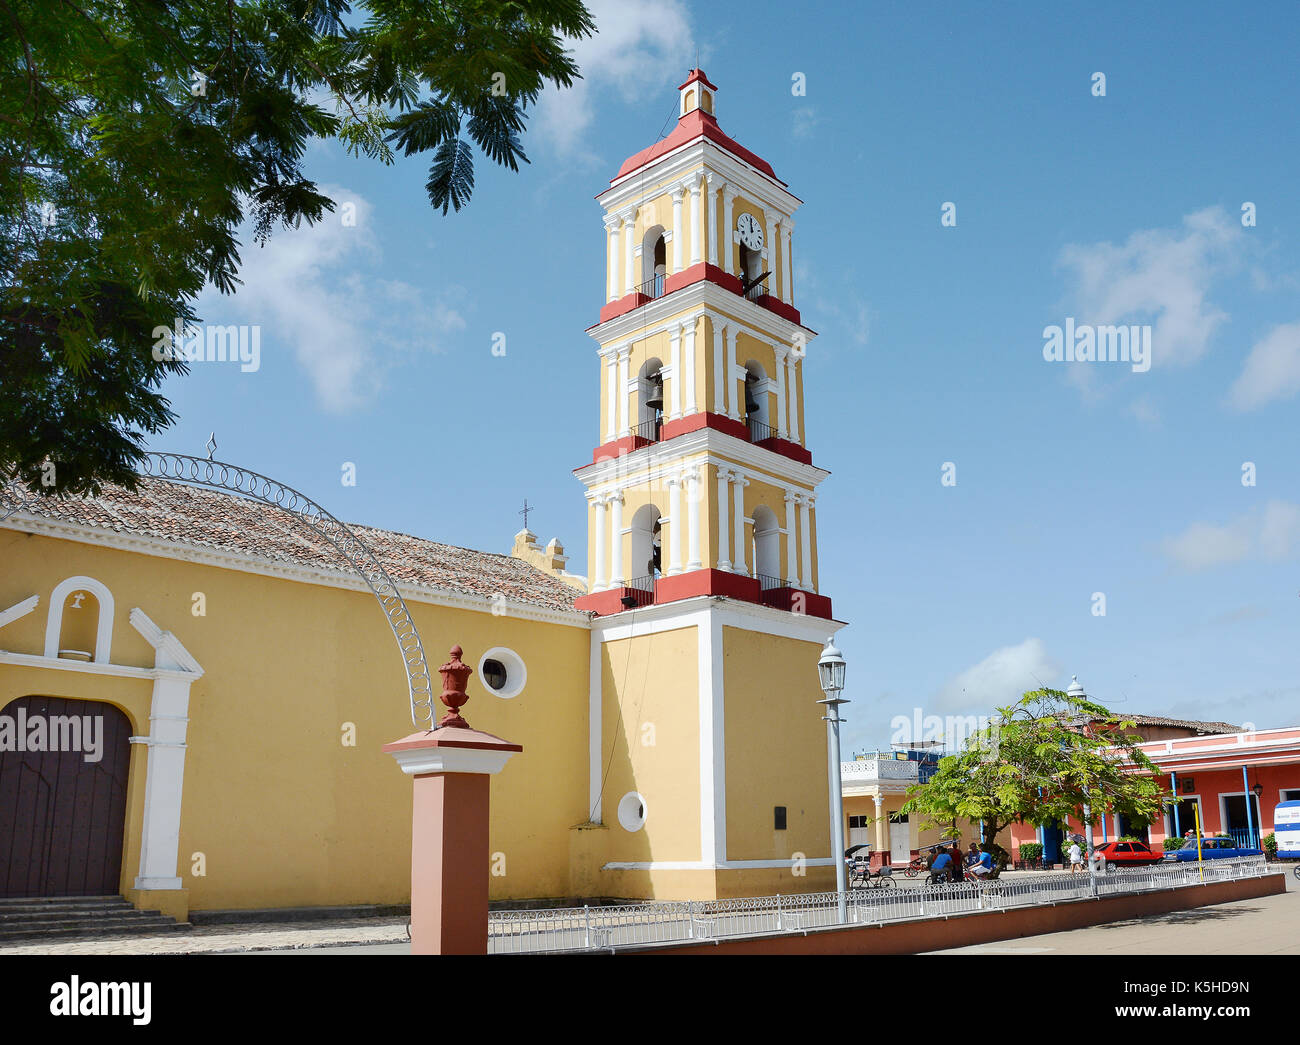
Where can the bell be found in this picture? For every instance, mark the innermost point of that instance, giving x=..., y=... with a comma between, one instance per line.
x=656, y=401
x=751, y=407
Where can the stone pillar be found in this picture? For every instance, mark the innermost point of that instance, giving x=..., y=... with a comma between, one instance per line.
x=624, y=425
x=616, y=539
x=451, y=766
x=688, y=329
x=678, y=231
x=728, y=198
x=805, y=533
x=792, y=397
x=697, y=188
x=772, y=253
x=694, y=488
x=787, y=227
x=880, y=826
x=611, y=380
x=738, y=488
x=675, y=530
x=724, y=529
x=629, y=230
x=781, y=352
x=719, y=380
x=611, y=227
x=791, y=542
x=675, y=361
x=713, y=221
x=598, y=571
x=729, y=382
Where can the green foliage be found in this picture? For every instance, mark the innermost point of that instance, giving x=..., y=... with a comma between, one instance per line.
x=1129, y=838
x=1031, y=850
x=1042, y=759
x=1270, y=846
x=137, y=137
x=1173, y=843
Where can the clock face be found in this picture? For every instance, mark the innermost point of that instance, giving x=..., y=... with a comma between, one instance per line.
x=751, y=232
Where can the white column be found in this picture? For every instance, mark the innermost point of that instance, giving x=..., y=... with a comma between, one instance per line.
x=724, y=529
x=773, y=253
x=792, y=398
x=738, y=487
x=624, y=426
x=678, y=232
x=616, y=538
x=598, y=570
x=675, y=357
x=629, y=228
x=164, y=779
x=713, y=221
x=728, y=198
x=791, y=542
x=694, y=490
x=697, y=187
x=805, y=540
x=611, y=226
x=689, y=330
x=675, y=527
x=781, y=352
x=719, y=382
x=729, y=382
x=611, y=397
x=787, y=278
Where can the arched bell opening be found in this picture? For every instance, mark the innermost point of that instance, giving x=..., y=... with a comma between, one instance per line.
x=647, y=553
x=650, y=400
x=756, y=404
x=654, y=262
x=767, y=547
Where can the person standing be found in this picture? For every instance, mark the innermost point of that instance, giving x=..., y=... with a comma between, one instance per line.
x=1076, y=858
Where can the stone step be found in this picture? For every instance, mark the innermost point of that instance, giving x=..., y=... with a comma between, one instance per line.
x=9, y=936
x=31, y=919
x=43, y=910
x=49, y=901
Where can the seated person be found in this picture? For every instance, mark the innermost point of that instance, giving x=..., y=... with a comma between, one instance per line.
x=940, y=865
x=984, y=865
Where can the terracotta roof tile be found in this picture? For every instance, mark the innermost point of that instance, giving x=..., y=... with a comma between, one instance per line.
x=202, y=518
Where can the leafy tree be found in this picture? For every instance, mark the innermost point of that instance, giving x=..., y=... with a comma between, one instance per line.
x=136, y=137
x=1042, y=759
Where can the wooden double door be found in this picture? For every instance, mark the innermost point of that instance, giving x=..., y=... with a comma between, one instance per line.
x=62, y=814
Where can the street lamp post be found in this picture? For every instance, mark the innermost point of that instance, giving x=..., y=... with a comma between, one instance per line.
x=830, y=669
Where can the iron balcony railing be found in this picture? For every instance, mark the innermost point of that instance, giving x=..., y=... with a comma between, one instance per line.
x=652, y=288
x=757, y=291
x=766, y=582
x=649, y=430
x=759, y=430
x=641, y=590
x=648, y=924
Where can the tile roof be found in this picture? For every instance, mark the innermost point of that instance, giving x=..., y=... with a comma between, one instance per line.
x=1195, y=725
x=201, y=518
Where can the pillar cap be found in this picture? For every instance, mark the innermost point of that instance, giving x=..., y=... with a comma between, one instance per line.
x=451, y=749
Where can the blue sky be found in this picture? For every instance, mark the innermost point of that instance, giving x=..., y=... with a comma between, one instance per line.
x=1072, y=478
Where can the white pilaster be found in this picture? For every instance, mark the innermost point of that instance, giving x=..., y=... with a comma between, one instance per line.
x=688, y=329
x=792, y=398
x=738, y=488
x=694, y=490
x=624, y=425
x=791, y=542
x=719, y=378
x=728, y=198
x=675, y=356
x=675, y=524
x=773, y=253
x=724, y=529
x=616, y=537
x=713, y=220
x=787, y=278
x=629, y=229
x=611, y=397
x=677, y=228
x=781, y=352
x=598, y=569
x=697, y=188
x=728, y=375
x=611, y=226
x=805, y=540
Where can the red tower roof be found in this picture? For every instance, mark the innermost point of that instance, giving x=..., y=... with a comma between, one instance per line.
x=694, y=125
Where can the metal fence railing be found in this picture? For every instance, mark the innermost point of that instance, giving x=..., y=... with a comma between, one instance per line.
x=642, y=924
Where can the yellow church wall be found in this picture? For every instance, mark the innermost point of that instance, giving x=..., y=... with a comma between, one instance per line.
x=650, y=744
x=281, y=811
x=775, y=749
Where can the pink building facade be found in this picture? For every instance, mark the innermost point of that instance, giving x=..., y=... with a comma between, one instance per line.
x=1234, y=780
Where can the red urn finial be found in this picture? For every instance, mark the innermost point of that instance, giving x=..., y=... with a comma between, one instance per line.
x=454, y=676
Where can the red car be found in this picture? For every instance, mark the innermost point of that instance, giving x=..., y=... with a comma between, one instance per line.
x=1128, y=854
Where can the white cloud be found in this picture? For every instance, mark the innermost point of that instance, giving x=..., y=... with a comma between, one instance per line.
x=1272, y=369
x=316, y=290
x=1270, y=534
x=805, y=121
x=1157, y=275
x=639, y=47
x=1000, y=678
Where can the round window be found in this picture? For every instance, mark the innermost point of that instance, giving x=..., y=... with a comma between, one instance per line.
x=631, y=811
x=503, y=673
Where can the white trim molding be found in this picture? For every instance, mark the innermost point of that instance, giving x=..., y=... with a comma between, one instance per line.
x=104, y=630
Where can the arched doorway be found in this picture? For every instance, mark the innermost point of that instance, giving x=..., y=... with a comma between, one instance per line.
x=767, y=547
x=63, y=770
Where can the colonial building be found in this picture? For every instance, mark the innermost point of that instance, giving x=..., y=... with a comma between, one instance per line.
x=240, y=678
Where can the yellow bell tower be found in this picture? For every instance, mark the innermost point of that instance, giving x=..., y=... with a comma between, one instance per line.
x=708, y=772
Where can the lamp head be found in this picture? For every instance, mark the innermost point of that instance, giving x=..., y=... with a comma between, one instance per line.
x=831, y=668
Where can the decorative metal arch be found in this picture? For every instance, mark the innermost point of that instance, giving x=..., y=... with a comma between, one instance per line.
x=218, y=475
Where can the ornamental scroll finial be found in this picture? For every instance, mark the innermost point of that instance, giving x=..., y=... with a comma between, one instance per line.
x=455, y=674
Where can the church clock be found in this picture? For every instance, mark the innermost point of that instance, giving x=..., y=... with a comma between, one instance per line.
x=750, y=231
